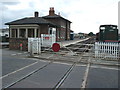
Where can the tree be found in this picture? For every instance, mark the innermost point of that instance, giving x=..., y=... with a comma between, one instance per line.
x=91, y=34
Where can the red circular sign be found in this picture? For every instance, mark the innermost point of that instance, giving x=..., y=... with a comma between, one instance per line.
x=55, y=47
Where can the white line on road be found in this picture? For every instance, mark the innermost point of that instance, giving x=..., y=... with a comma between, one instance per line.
x=86, y=76
x=24, y=77
x=19, y=53
x=103, y=67
x=62, y=63
x=17, y=70
x=34, y=59
x=25, y=52
x=13, y=54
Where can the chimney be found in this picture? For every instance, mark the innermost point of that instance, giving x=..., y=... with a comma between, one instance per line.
x=36, y=14
x=51, y=11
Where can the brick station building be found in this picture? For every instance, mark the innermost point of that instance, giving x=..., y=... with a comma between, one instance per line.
x=22, y=29
x=63, y=30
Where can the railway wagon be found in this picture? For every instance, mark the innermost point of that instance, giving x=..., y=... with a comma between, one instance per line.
x=108, y=32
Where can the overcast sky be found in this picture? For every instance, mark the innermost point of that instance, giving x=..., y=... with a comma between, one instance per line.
x=86, y=15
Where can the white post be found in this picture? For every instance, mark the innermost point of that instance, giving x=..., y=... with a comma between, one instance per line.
x=109, y=49
x=39, y=45
x=116, y=46
x=35, y=32
x=112, y=49
x=102, y=44
x=26, y=33
x=116, y=50
x=100, y=49
x=41, y=39
x=18, y=33
x=15, y=33
x=96, y=49
x=104, y=48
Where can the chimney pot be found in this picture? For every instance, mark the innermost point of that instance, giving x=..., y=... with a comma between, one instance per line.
x=36, y=14
x=51, y=11
x=52, y=8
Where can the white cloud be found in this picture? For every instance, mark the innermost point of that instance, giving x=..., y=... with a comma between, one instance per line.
x=86, y=15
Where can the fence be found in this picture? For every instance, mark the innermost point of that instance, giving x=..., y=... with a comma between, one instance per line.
x=109, y=50
x=34, y=45
x=47, y=40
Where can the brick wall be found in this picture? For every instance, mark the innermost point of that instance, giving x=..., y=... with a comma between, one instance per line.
x=14, y=43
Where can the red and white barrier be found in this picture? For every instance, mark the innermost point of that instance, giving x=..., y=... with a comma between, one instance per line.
x=47, y=40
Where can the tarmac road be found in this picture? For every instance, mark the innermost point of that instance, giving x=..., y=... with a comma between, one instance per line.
x=103, y=78
x=22, y=72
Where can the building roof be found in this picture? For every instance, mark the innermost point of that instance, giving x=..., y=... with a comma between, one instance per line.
x=56, y=16
x=31, y=20
x=108, y=25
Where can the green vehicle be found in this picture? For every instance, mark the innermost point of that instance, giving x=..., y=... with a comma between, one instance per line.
x=108, y=32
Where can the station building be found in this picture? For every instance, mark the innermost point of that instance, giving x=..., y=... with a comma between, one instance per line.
x=22, y=29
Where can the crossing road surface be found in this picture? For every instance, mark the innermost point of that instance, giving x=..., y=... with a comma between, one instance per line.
x=19, y=71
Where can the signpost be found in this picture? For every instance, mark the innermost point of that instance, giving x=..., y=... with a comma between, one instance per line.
x=55, y=47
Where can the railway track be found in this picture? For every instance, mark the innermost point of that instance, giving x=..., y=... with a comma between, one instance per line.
x=73, y=65
x=69, y=70
x=26, y=76
x=62, y=79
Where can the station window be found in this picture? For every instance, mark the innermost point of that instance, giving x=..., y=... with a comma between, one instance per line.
x=14, y=33
x=31, y=32
x=38, y=34
x=50, y=31
x=102, y=28
x=22, y=33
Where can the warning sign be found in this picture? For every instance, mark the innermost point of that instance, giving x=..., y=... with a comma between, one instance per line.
x=47, y=38
x=55, y=47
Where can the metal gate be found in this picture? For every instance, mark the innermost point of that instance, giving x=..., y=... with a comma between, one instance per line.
x=34, y=45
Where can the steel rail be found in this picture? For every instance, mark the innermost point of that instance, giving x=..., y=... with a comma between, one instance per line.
x=26, y=76
x=61, y=81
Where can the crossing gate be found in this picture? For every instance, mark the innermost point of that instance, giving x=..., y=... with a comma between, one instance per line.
x=34, y=45
x=109, y=50
x=47, y=40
